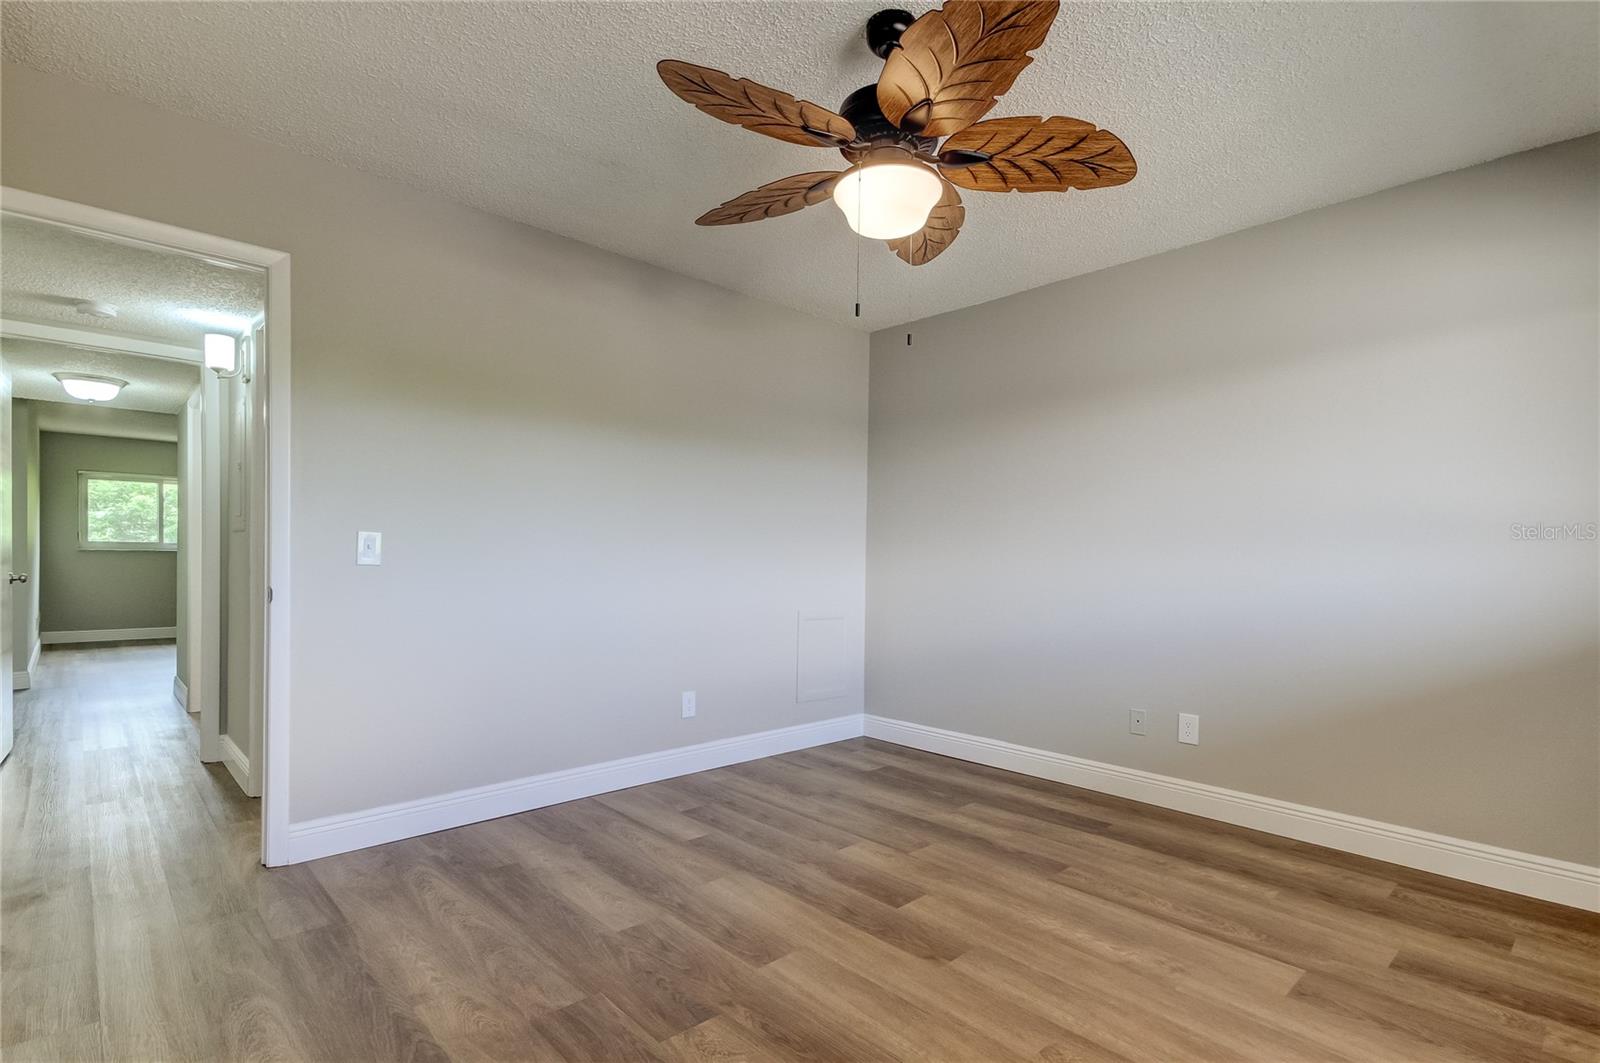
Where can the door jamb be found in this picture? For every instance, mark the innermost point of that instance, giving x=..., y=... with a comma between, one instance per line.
x=269, y=509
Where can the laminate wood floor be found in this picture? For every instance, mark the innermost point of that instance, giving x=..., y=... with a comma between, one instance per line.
x=855, y=902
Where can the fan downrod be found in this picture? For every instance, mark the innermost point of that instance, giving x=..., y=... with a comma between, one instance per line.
x=884, y=30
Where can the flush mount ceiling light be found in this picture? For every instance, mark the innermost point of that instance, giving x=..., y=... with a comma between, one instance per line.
x=941, y=73
x=91, y=388
x=95, y=308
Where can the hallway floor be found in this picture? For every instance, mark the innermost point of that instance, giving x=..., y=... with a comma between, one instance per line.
x=859, y=901
x=123, y=855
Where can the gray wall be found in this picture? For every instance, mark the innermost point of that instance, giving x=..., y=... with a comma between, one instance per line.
x=1272, y=479
x=24, y=531
x=90, y=590
x=598, y=483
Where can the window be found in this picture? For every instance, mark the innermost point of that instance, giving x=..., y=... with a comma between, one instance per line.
x=127, y=511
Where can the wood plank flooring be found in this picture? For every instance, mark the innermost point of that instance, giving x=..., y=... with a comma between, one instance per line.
x=858, y=901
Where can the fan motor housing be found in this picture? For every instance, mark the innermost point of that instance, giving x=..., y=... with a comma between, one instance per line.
x=873, y=130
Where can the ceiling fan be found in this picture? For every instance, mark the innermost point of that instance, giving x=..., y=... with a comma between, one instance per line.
x=941, y=74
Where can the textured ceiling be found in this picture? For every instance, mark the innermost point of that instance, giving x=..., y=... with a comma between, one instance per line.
x=45, y=269
x=154, y=384
x=550, y=113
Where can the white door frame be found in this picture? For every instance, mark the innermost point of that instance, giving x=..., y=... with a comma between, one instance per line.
x=205, y=623
x=192, y=493
x=269, y=509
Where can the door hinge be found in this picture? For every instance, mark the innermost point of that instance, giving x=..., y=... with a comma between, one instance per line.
x=269, y=595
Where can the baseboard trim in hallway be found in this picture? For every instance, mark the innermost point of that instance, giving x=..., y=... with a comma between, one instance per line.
x=329, y=835
x=110, y=634
x=237, y=763
x=1575, y=885
x=22, y=678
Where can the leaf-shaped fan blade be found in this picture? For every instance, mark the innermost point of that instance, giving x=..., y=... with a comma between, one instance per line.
x=756, y=107
x=944, y=225
x=784, y=196
x=953, y=63
x=1039, y=155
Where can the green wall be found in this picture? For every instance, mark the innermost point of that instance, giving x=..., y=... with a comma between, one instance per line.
x=88, y=590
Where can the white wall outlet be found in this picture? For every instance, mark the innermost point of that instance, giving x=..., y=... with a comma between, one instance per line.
x=1188, y=728
x=688, y=704
x=1136, y=721
x=369, y=548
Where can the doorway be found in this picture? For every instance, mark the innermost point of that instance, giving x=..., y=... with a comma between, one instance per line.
x=147, y=497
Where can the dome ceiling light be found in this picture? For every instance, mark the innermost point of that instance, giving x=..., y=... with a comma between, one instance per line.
x=90, y=388
x=95, y=308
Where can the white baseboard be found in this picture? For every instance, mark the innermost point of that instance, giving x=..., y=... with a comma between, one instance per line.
x=1576, y=885
x=1549, y=879
x=23, y=679
x=358, y=830
x=180, y=692
x=110, y=634
x=237, y=763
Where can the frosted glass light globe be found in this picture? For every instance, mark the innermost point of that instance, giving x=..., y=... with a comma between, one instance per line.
x=222, y=352
x=91, y=388
x=888, y=200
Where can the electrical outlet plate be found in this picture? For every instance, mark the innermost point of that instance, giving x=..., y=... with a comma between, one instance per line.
x=689, y=707
x=1188, y=728
x=1136, y=724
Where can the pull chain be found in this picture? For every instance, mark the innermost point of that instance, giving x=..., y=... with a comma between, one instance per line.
x=856, y=239
x=858, y=274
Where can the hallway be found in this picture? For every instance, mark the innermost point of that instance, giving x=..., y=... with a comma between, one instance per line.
x=112, y=827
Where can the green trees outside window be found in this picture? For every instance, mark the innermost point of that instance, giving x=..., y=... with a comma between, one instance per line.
x=125, y=511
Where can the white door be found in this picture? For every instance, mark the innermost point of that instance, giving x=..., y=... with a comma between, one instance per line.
x=243, y=584
x=238, y=750
x=7, y=726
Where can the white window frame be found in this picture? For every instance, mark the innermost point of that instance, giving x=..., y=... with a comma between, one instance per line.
x=84, y=543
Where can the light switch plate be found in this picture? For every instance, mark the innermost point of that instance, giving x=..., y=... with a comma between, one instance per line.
x=369, y=548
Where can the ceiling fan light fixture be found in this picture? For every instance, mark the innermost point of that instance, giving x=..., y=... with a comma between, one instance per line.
x=888, y=200
x=919, y=132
